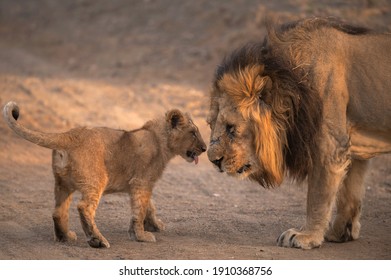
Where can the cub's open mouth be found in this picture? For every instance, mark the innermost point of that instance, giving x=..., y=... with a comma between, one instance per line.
x=193, y=156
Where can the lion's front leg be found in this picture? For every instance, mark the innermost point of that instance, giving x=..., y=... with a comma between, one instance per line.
x=323, y=185
x=140, y=200
x=320, y=199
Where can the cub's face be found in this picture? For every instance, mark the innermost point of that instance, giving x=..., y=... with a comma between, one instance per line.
x=184, y=137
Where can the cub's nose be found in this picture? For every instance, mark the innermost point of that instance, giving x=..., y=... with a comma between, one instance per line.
x=203, y=148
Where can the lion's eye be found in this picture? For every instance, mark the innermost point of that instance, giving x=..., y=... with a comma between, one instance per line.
x=209, y=123
x=193, y=134
x=230, y=129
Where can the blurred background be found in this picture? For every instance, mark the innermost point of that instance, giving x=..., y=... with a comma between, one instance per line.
x=119, y=62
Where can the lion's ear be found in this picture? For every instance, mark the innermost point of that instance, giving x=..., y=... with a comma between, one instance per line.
x=264, y=93
x=175, y=118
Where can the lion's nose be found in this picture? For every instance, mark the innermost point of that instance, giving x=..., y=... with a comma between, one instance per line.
x=203, y=148
x=217, y=162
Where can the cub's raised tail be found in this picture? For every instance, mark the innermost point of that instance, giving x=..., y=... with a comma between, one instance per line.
x=49, y=140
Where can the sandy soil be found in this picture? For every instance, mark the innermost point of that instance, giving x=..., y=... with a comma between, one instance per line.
x=119, y=63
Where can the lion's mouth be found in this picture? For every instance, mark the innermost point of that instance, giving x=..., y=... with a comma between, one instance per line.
x=242, y=170
x=192, y=156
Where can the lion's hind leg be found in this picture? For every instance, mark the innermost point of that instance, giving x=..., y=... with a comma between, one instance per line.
x=346, y=225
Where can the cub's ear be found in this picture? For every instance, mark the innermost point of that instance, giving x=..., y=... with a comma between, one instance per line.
x=175, y=118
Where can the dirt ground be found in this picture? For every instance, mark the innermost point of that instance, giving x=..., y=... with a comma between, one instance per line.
x=120, y=63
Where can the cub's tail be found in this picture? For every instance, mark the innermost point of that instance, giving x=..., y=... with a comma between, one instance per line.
x=48, y=140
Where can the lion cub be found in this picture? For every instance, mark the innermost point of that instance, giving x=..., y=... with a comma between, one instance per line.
x=97, y=161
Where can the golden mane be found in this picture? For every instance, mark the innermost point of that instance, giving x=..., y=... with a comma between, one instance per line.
x=244, y=87
x=285, y=113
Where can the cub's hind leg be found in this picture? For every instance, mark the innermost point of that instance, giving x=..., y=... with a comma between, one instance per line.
x=87, y=209
x=63, y=197
x=140, y=200
x=346, y=225
x=91, y=182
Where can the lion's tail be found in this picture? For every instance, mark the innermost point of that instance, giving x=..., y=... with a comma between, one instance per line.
x=48, y=140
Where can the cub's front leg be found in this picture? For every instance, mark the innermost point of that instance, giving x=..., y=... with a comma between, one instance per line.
x=151, y=222
x=140, y=199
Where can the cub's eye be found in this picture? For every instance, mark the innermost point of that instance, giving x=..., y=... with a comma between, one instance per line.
x=193, y=133
x=230, y=129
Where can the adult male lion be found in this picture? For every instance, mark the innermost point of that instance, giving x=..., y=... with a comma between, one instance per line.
x=313, y=101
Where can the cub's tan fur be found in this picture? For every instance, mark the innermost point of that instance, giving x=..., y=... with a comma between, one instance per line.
x=97, y=161
x=312, y=102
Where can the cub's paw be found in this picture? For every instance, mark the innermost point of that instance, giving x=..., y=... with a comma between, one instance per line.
x=95, y=242
x=293, y=238
x=156, y=225
x=144, y=236
x=69, y=236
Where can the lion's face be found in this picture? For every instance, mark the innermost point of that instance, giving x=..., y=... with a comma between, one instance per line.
x=184, y=137
x=246, y=139
x=231, y=147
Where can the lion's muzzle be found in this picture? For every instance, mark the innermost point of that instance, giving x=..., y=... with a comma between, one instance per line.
x=215, y=154
x=217, y=162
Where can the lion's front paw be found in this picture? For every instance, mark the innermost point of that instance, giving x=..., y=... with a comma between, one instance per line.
x=293, y=238
x=342, y=232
